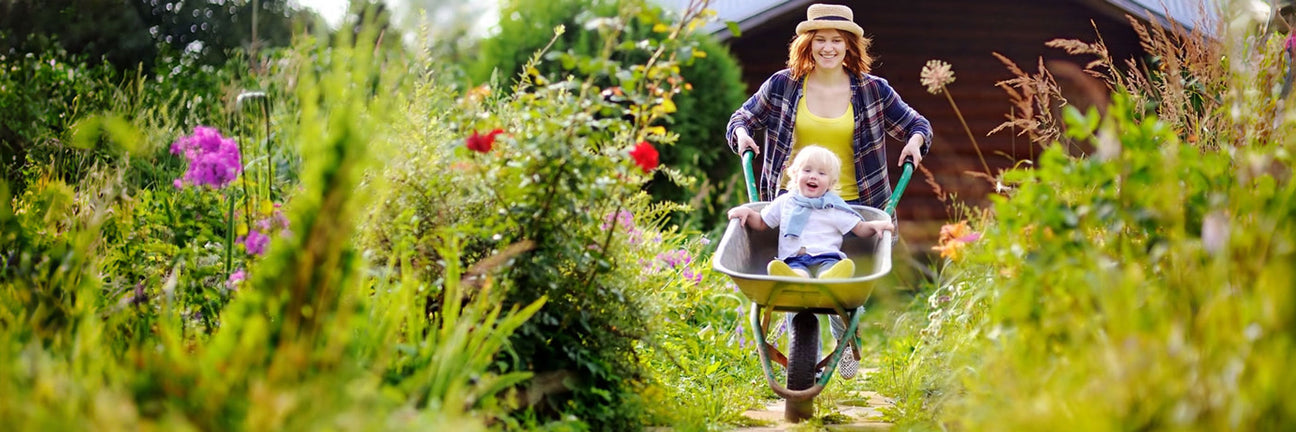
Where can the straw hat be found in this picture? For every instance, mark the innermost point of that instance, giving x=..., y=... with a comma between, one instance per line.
x=826, y=16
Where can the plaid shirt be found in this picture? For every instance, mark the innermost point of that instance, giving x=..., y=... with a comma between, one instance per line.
x=877, y=109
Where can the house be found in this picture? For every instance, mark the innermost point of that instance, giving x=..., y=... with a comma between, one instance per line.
x=906, y=34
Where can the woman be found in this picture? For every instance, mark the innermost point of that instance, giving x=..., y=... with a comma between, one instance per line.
x=827, y=97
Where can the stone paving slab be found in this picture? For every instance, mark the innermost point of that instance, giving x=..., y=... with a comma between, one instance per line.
x=861, y=406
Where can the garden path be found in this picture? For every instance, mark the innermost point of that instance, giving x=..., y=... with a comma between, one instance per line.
x=858, y=407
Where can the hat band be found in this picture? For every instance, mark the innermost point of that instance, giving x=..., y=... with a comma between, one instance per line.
x=832, y=18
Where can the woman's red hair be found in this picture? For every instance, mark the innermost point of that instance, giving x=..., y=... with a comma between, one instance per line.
x=801, y=60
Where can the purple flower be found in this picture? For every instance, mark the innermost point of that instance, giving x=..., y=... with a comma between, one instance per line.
x=623, y=218
x=275, y=221
x=235, y=278
x=213, y=159
x=255, y=242
x=695, y=276
x=675, y=258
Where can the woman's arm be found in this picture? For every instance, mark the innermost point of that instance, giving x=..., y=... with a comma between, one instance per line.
x=904, y=123
x=752, y=115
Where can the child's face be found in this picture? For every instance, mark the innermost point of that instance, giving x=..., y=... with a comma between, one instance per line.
x=813, y=180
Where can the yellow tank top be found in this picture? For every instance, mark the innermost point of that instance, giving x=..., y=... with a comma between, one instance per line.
x=834, y=134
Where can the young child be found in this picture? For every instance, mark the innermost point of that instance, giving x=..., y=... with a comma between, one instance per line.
x=811, y=219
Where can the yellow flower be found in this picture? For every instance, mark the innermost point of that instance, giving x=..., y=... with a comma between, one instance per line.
x=936, y=75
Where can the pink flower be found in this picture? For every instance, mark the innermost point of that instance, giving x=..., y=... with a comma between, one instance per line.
x=675, y=258
x=213, y=159
x=692, y=275
x=645, y=156
x=235, y=278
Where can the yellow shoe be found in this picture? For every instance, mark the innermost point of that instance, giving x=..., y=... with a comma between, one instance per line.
x=780, y=268
x=843, y=269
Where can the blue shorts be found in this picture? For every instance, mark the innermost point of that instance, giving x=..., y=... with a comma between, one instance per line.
x=805, y=262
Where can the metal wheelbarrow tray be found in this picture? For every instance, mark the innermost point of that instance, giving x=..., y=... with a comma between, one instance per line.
x=743, y=255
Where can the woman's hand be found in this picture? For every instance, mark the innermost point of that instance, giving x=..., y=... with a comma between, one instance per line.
x=746, y=142
x=912, y=149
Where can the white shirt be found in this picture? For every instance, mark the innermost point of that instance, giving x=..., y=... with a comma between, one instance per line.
x=823, y=230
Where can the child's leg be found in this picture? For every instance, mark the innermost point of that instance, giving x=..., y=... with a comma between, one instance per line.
x=844, y=269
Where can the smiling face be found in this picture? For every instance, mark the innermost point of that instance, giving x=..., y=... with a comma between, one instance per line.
x=828, y=48
x=813, y=180
x=814, y=171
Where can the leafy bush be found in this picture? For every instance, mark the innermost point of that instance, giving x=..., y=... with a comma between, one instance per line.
x=40, y=96
x=628, y=32
x=544, y=186
x=548, y=176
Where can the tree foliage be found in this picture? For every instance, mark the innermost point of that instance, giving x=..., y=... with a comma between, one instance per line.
x=134, y=33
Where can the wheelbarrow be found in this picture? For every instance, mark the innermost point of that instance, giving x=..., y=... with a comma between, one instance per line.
x=743, y=255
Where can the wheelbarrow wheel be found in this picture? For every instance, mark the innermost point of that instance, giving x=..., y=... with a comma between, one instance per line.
x=803, y=356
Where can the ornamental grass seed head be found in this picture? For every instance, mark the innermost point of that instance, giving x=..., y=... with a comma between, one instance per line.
x=936, y=75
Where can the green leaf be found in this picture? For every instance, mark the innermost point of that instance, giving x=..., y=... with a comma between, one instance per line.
x=733, y=28
x=123, y=133
x=85, y=132
x=710, y=370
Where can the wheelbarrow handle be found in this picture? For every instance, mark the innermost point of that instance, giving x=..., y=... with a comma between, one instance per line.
x=748, y=156
x=900, y=186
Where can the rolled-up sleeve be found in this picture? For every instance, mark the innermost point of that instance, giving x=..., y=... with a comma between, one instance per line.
x=751, y=115
x=901, y=119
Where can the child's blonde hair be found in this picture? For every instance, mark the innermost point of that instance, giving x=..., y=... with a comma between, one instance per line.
x=815, y=156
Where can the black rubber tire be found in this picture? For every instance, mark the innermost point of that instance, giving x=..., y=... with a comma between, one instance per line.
x=803, y=357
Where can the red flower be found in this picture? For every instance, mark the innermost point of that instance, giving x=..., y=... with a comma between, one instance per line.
x=645, y=156
x=482, y=143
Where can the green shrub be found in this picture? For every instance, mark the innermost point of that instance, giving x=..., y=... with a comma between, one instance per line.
x=559, y=189
x=628, y=31
x=40, y=97
x=544, y=189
